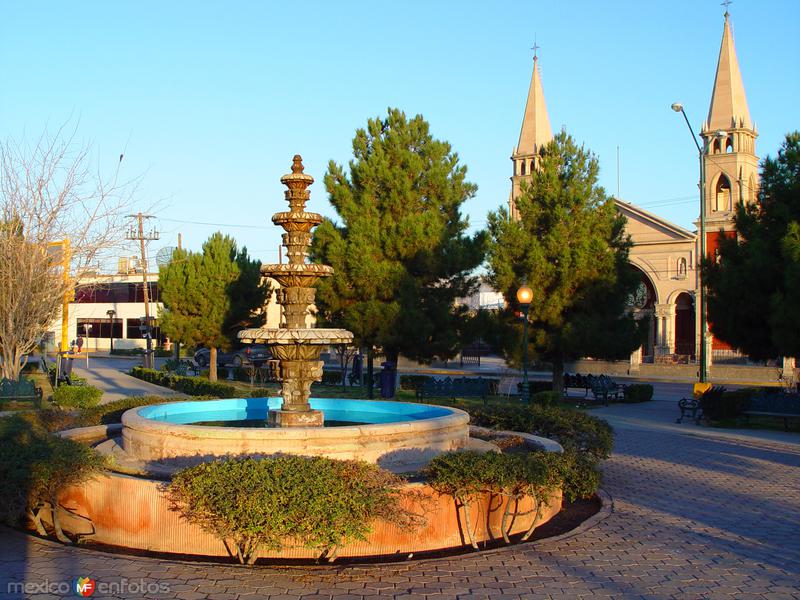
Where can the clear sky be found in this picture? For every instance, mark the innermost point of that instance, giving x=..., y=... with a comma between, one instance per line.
x=210, y=100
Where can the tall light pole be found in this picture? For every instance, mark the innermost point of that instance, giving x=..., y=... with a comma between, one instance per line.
x=678, y=107
x=524, y=297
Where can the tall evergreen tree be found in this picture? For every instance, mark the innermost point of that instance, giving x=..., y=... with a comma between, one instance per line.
x=209, y=296
x=754, y=289
x=570, y=247
x=401, y=253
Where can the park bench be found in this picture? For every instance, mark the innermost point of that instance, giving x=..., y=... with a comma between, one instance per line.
x=781, y=405
x=186, y=366
x=689, y=407
x=604, y=389
x=577, y=381
x=693, y=407
x=453, y=388
x=20, y=391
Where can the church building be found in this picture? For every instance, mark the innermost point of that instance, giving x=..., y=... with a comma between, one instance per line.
x=664, y=253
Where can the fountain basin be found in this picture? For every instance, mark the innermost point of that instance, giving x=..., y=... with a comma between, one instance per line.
x=398, y=436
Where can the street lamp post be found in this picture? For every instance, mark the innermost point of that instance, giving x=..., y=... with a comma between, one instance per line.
x=524, y=297
x=111, y=314
x=678, y=107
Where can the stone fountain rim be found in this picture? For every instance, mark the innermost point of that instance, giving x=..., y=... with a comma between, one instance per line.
x=133, y=420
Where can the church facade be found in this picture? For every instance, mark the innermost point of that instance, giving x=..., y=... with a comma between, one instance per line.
x=665, y=254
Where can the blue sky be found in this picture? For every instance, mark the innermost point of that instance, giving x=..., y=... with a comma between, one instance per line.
x=210, y=100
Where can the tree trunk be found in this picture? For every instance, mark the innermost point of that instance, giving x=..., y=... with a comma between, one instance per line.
x=369, y=374
x=558, y=375
x=212, y=364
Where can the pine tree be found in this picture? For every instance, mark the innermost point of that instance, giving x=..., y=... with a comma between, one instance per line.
x=570, y=247
x=209, y=296
x=401, y=253
x=754, y=289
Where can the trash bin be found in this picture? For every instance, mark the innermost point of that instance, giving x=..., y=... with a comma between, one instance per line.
x=388, y=378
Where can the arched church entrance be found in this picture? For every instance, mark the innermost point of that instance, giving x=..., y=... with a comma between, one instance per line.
x=685, y=342
x=643, y=302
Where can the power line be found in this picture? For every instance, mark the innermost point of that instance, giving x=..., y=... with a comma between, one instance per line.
x=216, y=224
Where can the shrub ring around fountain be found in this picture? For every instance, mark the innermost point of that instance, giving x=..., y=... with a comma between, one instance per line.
x=134, y=513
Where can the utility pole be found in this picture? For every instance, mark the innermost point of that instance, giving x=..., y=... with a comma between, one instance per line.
x=136, y=232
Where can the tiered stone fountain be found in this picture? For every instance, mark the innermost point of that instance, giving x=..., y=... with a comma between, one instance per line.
x=400, y=436
x=296, y=345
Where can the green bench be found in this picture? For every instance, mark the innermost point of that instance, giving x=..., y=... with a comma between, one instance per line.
x=20, y=391
x=604, y=389
x=781, y=405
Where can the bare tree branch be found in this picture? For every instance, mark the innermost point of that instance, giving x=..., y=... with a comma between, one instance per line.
x=50, y=194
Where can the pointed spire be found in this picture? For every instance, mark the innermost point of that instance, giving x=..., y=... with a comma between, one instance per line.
x=728, y=101
x=536, y=124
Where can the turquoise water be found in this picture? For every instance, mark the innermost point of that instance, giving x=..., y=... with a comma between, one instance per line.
x=254, y=410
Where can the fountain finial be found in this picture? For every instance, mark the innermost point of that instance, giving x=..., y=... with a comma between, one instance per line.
x=297, y=164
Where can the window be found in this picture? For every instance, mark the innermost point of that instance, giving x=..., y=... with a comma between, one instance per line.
x=722, y=195
x=729, y=145
x=522, y=167
x=133, y=332
x=114, y=293
x=99, y=328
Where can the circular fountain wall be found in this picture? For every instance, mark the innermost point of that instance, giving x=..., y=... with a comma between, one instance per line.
x=398, y=436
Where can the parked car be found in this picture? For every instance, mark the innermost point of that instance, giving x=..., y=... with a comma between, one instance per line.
x=252, y=354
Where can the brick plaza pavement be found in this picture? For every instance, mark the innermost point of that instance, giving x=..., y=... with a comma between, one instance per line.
x=695, y=515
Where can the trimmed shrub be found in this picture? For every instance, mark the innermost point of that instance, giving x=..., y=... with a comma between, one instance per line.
x=331, y=378
x=192, y=386
x=718, y=403
x=412, y=382
x=546, y=398
x=317, y=502
x=571, y=428
x=638, y=392
x=264, y=393
x=77, y=396
x=466, y=475
x=111, y=412
x=35, y=466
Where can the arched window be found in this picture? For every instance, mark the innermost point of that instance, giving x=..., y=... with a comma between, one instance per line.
x=729, y=145
x=522, y=167
x=715, y=148
x=722, y=194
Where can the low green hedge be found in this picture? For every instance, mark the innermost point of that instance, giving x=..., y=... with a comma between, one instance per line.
x=77, y=396
x=412, y=382
x=546, y=398
x=331, y=378
x=320, y=503
x=638, y=392
x=719, y=404
x=192, y=386
x=570, y=428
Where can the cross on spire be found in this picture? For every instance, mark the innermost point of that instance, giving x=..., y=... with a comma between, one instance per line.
x=726, y=4
x=535, y=49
